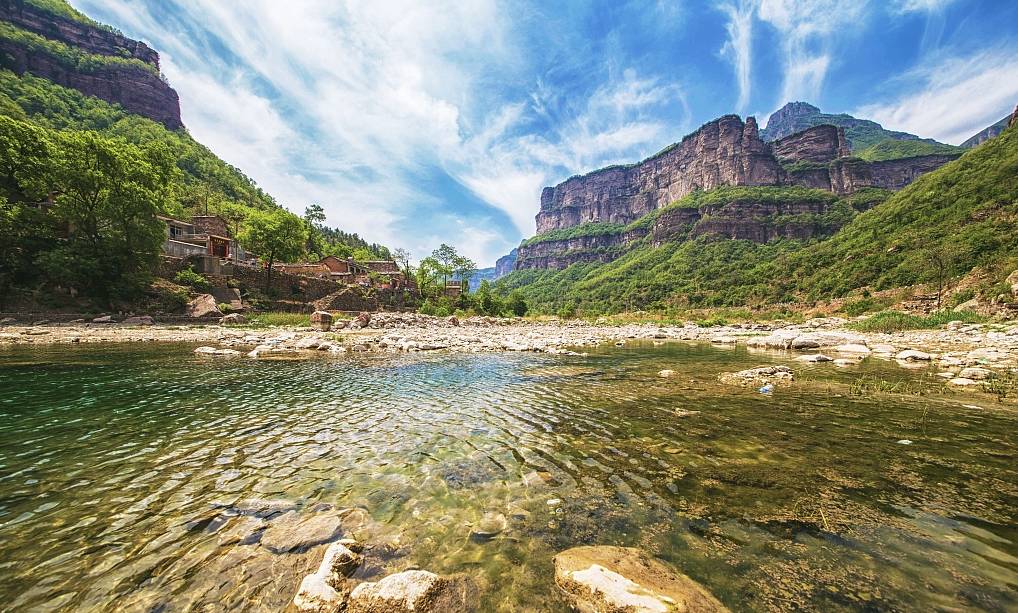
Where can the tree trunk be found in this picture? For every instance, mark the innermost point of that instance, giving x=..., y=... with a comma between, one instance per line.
x=268, y=272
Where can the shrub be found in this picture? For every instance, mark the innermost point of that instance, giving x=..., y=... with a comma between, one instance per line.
x=894, y=321
x=194, y=280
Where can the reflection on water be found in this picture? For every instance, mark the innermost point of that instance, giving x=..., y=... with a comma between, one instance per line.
x=136, y=477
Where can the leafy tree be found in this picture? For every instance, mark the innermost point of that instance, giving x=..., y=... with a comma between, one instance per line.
x=274, y=235
x=314, y=218
x=107, y=193
x=24, y=157
x=445, y=259
x=429, y=271
x=516, y=303
x=464, y=269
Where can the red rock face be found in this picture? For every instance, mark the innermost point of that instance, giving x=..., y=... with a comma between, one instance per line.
x=138, y=90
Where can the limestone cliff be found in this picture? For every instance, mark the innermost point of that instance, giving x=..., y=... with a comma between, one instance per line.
x=725, y=151
x=134, y=84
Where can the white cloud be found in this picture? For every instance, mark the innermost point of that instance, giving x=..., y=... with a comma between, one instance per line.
x=808, y=30
x=739, y=46
x=951, y=98
x=915, y=6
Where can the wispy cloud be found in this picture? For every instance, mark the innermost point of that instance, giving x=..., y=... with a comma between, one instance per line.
x=739, y=46
x=950, y=98
x=808, y=30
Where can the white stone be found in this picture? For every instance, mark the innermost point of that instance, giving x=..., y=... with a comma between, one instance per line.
x=975, y=373
x=853, y=348
x=815, y=357
x=912, y=355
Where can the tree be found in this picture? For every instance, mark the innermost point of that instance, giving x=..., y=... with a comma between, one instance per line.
x=464, y=269
x=516, y=304
x=402, y=258
x=107, y=193
x=314, y=217
x=429, y=271
x=275, y=234
x=24, y=159
x=445, y=258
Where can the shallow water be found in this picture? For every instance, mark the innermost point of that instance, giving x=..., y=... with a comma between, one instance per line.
x=125, y=472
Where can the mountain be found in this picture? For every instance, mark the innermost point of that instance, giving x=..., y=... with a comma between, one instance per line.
x=988, y=133
x=503, y=266
x=967, y=209
x=867, y=139
x=594, y=217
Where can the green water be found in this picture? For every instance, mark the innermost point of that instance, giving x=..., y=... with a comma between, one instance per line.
x=122, y=469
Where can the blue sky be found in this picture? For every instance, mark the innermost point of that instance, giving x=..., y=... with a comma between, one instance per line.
x=415, y=123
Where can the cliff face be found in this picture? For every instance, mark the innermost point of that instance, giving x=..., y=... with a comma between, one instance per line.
x=819, y=144
x=138, y=90
x=505, y=264
x=723, y=152
x=744, y=220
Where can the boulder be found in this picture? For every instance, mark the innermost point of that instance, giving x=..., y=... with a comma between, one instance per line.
x=294, y=533
x=1012, y=280
x=968, y=305
x=233, y=319
x=322, y=591
x=417, y=591
x=626, y=580
x=321, y=320
x=203, y=306
x=362, y=320
x=911, y=355
x=665, y=373
x=139, y=320
x=853, y=348
x=103, y=319
x=453, y=320
x=7, y=321
x=975, y=373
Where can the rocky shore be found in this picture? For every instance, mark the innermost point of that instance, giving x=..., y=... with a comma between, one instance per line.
x=956, y=346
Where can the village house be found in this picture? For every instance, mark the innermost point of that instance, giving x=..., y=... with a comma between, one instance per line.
x=375, y=273
x=203, y=235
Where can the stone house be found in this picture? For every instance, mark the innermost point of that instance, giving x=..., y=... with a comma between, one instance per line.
x=203, y=235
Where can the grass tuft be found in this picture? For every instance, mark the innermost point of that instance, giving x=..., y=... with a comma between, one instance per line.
x=895, y=321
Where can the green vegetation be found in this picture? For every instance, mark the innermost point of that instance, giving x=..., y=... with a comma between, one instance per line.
x=276, y=235
x=968, y=208
x=737, y=194
x=279, y=318
x=893, y=321
x=69, y=56
x=97, y=234
x=580, y=231
x=194, y=280
x=894, y=149
x=61, y=8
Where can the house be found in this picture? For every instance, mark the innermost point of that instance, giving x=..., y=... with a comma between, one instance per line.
x=203, y=235
x=453, y=289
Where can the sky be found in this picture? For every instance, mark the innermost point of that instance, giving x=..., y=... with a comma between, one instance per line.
x=418, y=122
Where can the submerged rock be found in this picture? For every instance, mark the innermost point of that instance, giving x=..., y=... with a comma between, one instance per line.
x=291, y=532
x=490, y=526
x=816, y=357
x=418, y=591
x=215, y=351
x=761, y=374
x=626, y=580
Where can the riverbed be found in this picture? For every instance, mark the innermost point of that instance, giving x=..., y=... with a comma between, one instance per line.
x=142, y=476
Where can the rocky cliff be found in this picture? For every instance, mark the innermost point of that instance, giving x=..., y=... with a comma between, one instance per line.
x=505, y=264
x=129, y=78
x=725, y=151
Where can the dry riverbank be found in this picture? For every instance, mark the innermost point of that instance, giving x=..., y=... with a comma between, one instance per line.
x=954, y=347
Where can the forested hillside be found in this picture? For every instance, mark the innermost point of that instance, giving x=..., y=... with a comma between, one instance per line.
x=83, y=178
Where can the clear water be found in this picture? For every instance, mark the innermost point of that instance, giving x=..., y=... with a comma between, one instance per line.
x=119, y=464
